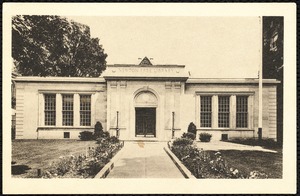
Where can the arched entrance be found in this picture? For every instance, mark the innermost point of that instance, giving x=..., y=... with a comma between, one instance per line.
x=145, y=114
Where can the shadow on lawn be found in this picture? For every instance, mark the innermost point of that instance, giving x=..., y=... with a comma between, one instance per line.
x=19, y=169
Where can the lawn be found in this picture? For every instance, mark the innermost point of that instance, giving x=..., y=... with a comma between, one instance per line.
x=30, y=155
x=247, y=161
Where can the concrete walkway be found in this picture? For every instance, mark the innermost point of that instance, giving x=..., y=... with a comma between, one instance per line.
x=144, y=160
x=220, y=145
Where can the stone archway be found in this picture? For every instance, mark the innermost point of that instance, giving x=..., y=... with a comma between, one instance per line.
x=145, y=103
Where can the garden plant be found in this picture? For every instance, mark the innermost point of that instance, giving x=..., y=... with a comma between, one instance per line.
x=203, y=164
x=85, y=165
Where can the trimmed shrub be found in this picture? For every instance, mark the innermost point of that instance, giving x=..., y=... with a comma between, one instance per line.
x=205, y=137
x=86, y=135
x=182, y=142
x=98, y=131
x=192, y=128
x=189, y=136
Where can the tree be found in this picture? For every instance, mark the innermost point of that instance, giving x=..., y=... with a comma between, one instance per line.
x=273, y=61
x=55, y=46
x=273, y=47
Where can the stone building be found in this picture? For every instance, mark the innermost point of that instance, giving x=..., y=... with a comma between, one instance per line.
x=144, y=101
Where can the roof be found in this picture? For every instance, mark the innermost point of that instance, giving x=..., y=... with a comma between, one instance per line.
x=230, y=81
x=59, y=79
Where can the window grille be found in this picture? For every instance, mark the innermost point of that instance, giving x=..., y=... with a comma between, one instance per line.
x=50, y=107
x=242, y=111
x=85, y=110
x=224, y=111
x=67, y=110
x=205, y=113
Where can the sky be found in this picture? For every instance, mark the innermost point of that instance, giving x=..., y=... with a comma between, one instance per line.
x=210, y=47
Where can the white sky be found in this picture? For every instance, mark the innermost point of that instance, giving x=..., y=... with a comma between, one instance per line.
x=210, y=47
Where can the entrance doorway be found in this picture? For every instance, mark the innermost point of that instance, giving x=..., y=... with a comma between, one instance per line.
x=145, y=122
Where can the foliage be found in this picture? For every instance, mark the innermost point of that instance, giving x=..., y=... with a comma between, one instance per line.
x=192, y=128
x=13, y=133
x=203, y=164
x=182, y=142
x=98, y=131
x=273, y=47
x=257, y=175
x=205, y=137
x=13, y=102
x=189, y=136
x=86, y=135
x=273, y=61
x=44, y=45
x=106, y=138
x=84, y=166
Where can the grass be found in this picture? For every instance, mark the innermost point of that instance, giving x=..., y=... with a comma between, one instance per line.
x=30, y=155
x=264, y=143
x=247, y=161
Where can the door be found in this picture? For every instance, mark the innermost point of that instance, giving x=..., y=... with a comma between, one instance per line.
x=145, y=122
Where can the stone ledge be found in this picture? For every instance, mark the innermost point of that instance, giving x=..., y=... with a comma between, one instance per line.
x=110, y=165
x=185, y=172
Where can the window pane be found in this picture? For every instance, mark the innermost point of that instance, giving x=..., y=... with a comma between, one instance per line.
x=205, y=113
x=85, y=110
x=242, y=111
x=224, y=111
x=49, y=109
x=67, y=110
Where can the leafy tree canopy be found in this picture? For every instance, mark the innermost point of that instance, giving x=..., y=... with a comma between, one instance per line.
x=273, y=47
x=55, y=46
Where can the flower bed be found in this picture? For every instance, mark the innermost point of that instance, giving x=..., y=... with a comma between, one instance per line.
x=204, y=164
x=85, y=165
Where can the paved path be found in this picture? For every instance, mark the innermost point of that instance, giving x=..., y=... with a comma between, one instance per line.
x=144, y=160
x=220, y=145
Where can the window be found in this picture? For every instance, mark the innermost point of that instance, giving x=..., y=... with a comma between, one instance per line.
x=205, y=113
x=67, y=110
x=224, y=111
x=66, y=134
x=242, y=111
x=49, y=109
x=85, y=110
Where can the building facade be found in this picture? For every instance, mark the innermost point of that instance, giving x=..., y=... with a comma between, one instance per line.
x=144, y=101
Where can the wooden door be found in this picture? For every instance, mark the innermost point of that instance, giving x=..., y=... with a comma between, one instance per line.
x=145, y=121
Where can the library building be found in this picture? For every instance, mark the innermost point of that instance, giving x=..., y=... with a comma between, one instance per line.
x=143, y=102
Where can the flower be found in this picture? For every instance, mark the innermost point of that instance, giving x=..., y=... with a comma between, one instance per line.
x=235, y=171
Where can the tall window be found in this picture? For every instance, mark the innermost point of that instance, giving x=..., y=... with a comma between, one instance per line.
x=49, y=109
x=67, y=110
x=85, y=110
x=242, y=111
x=224, y=111
x=205, y=111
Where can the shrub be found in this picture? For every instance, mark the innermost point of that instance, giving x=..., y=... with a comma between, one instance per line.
x=107, y=139
x=182, y=142
x=189, y=136
x=114, y=139
x=192, y=128
x=202, y=164
x=98, y=131
x=84, y=166
x=86, y=135
x=205, y=137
